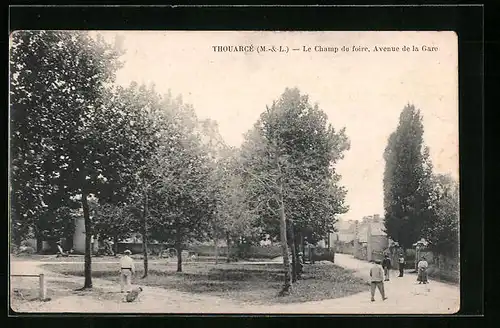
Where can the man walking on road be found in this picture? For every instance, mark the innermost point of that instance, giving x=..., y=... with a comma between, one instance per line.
x=127, y=270
x=377, y=280
x=386, y=265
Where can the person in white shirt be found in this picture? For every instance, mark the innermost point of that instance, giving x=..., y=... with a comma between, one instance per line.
x=127, y=270
x=377, y=280
x=422, y=271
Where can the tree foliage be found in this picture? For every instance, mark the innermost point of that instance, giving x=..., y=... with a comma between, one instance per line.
x=308, y=150
x=288, y=163
x=62, y=126
x=407, y=180
x=442, y=231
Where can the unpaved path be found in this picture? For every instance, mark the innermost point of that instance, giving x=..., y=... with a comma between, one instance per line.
x=405, y=297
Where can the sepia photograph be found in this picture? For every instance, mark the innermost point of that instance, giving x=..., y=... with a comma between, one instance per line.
x=245, y=172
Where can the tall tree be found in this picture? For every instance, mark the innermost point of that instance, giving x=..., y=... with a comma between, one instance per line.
x=406, y=179
x=59, y=93
x=233, y=220
x=141, y=108
x=183, y=206
x=289, y=166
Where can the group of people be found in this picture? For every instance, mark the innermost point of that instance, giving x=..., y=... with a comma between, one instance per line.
x=379, y=273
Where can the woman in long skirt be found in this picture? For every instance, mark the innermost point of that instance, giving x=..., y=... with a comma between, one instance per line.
x=422, y=271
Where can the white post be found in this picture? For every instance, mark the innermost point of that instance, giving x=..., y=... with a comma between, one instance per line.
x=43, y=287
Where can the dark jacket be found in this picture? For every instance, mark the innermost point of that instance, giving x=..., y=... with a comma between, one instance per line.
x=386, y=263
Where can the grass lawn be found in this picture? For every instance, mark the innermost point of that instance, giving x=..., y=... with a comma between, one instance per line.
x=253, y=283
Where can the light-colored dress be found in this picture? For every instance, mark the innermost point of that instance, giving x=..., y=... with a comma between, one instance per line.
x=422, y=271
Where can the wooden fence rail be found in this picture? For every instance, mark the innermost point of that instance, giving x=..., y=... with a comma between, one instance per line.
x=41, y=279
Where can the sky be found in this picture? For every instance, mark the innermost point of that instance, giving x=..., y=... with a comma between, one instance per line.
x=362, y=91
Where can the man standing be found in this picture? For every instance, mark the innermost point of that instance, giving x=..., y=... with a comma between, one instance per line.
x=386, y=265
x=377, y=280
x=401, y=262
x=127, y=270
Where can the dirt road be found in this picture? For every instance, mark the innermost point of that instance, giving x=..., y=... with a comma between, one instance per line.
x=405, y=297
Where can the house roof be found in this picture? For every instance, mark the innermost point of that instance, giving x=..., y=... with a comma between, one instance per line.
x=377, y=229
x=348, y=228
x=343, y=225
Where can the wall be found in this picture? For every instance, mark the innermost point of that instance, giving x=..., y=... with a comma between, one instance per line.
x=361, y=252
x=271, y=251
x=136, y=248
x=379, y=243
x=31, y=242
x=209, y=250
x=344, y=248
x=79, y=236
x=445, y=268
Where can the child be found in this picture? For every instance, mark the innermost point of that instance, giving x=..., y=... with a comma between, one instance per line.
x=386, y=265
x=401, y=262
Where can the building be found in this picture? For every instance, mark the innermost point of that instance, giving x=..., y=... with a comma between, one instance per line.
x=345, y=233
x=363, y=238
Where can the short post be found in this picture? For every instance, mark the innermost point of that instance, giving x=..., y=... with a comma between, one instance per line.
x=43, y=287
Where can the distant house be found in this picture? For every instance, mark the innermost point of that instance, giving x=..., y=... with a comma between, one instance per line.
x=345, y=232
x=79, y=237
x=352, y=231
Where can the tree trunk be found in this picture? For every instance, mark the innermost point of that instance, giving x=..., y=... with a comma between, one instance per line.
x=145, y=234
x=115, y=244
x=291, y=244
x=216, y=251
x=16, y=238
x=303, y=244
x=88, y=235
x=294, y=262
x=296, y=241
x=178, y=247
x=295, y=252
x=284, y=246
x=39, y=240
x=228, y=242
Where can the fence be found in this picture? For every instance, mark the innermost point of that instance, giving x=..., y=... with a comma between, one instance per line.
x=42, y=285
x=251, y=252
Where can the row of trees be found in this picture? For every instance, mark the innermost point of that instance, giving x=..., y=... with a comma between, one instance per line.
x=418, y=202
x=137, y=161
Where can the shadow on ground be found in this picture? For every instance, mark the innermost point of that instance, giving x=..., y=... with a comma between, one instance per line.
x=257, y=283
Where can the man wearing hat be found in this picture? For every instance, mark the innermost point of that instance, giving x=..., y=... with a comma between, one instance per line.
x=127, y=270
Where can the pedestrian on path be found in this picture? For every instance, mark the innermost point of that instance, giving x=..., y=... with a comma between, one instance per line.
x=401, y=262
x=377, y=280
x=127, y=270
x=422, y=271
x=386, y=265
